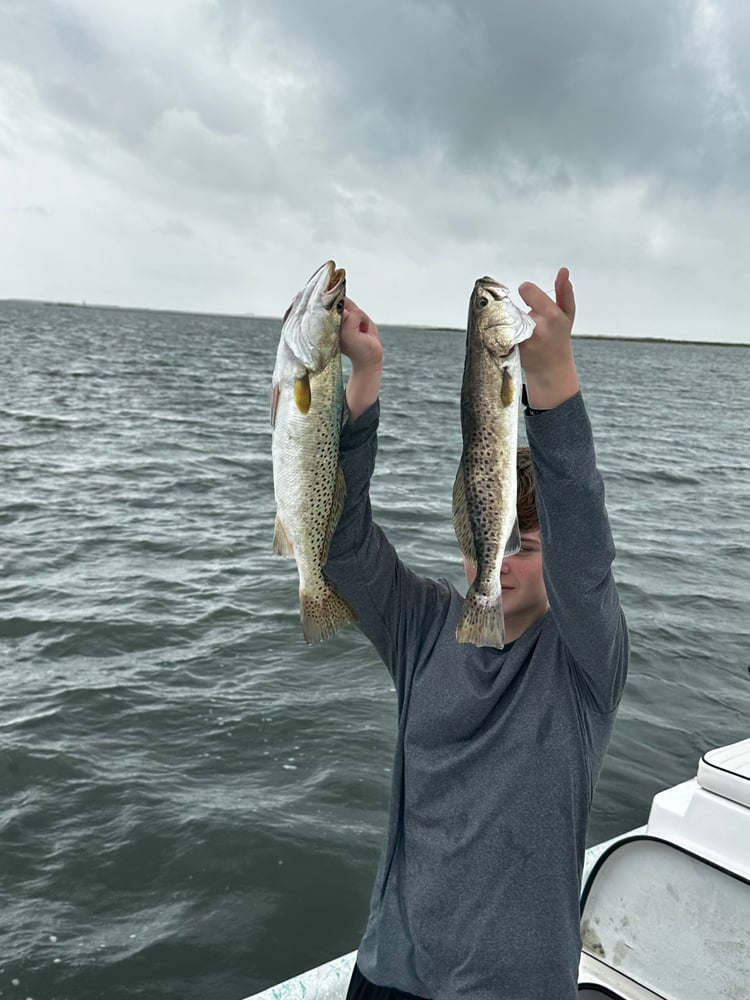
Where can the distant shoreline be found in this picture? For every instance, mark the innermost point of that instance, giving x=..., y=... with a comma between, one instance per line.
x=657, y=340
x=386, y=326
x=583, y=336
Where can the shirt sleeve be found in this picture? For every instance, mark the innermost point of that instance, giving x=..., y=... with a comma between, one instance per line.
x=578, y=549
x=400, y=612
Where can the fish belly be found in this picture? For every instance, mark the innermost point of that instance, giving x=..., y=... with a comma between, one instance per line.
x=490, y=410
x=309, y=491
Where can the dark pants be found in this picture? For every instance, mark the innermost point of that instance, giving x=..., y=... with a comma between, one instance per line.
x=362, y=989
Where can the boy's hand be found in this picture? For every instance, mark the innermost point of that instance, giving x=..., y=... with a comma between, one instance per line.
x=360, y=342
x=547, y=357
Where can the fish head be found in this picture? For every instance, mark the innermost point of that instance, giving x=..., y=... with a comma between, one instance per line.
x=312, y=323
x=495, y=319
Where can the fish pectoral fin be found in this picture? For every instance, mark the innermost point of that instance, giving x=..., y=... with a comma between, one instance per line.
x=461, y=522
x=337, y=505
x=513, y=544
x=281, y=544
x=275, y=395
x=302, y=393
x=507, y=389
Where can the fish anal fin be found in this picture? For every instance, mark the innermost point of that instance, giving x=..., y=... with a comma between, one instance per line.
x=513, y=544
x=323, y=613
x=281, y=544
x=461, y=522
x=302, y=393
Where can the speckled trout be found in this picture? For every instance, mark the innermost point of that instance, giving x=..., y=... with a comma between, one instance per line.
x=484, y=493
x=306, y=408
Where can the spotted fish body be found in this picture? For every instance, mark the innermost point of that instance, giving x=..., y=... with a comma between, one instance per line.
x=307, y=404
x=484, y=493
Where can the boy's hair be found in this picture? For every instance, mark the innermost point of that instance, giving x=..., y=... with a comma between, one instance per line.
x=528, y=519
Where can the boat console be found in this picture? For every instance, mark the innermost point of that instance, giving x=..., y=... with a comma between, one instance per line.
x=665, y=913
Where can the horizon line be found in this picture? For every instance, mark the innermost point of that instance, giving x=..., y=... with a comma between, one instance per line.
x=431, y=328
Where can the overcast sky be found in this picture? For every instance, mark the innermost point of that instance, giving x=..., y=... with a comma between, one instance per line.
x=211, y=154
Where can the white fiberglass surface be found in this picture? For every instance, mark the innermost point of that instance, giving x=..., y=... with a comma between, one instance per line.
x=670, y=921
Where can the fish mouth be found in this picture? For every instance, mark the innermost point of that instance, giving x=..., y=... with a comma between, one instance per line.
x=492, y=287
x=325, y=286
x=327, y=278
x=501, y=349
x=487, y=290
x=337, y=275
x=330, y=284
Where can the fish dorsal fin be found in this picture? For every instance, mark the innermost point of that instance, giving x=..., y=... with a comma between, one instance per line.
x=281, y=544
x=302, y=393
x=337, y=505
x=461, y=522
x=513, y=544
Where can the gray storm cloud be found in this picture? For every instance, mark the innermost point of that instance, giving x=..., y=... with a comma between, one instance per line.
x=577, y=91
x=427, y=139
x=543, y=92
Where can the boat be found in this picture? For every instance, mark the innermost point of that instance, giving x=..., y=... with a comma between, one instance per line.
x=665, y=908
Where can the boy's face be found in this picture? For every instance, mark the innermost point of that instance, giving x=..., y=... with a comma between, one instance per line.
x=524, y=593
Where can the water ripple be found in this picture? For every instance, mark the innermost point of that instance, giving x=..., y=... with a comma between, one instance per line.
x=183, y=778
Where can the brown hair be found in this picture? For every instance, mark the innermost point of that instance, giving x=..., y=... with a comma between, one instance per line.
x=528, y=519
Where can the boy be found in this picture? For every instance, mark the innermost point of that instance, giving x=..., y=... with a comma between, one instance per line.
x=498, y=751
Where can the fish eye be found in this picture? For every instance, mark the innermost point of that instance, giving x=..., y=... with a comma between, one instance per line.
x=483, y=302
x=340, y=306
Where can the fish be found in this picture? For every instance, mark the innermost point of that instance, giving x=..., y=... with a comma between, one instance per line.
x=484, y=491
x=306, y=414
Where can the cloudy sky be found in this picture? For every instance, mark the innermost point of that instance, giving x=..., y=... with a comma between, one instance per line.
x=210, y=154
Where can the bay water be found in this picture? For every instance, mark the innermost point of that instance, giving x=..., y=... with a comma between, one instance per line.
x=192, y=800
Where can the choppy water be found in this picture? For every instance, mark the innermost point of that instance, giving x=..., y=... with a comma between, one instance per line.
x=191, y=799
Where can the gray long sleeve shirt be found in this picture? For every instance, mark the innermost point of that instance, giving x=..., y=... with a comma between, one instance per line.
x=498, y=751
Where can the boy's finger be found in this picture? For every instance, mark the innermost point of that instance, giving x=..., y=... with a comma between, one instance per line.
x=564, y=292
x=537, y=300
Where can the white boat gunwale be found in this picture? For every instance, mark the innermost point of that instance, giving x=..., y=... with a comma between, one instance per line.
x=629, y=838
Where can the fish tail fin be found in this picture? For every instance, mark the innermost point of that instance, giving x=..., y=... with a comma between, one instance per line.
x=481, y=621
x=323, y=613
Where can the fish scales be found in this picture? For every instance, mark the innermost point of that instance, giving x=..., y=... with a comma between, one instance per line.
x=484, y=493
x=307, y=407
